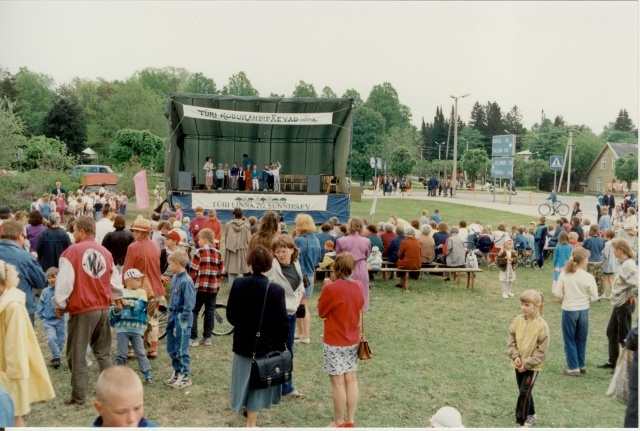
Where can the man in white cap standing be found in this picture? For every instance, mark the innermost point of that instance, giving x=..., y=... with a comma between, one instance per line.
x=144, y=255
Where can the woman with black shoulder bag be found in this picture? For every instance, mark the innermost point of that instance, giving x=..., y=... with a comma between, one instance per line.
x=256, y=308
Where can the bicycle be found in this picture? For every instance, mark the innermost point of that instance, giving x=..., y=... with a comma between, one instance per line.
x=526, y=259
x=547, y=207
x=221, y=325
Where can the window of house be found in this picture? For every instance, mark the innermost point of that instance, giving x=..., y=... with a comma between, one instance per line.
x=603, y=164
x=599, y=183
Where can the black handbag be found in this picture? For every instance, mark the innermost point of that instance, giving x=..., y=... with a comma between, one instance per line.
x=301, y=311
x=272, y=369
x=305, y=281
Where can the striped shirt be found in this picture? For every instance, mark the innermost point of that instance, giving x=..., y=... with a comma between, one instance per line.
x=206, y=269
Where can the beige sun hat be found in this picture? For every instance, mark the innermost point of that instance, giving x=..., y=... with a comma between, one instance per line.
x=142, y=224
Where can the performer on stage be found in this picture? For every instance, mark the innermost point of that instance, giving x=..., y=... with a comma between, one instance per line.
x=267, y=178
x=275, y=173
x=208, y=173
x=235, y=173
x=247, y=163
x=219, y=176
x=247, y=178
x=255, y=179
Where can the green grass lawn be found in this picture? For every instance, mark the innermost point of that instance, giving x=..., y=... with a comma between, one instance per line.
x=439, y=344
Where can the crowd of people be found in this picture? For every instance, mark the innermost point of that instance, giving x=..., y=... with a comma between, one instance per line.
x=95, y=276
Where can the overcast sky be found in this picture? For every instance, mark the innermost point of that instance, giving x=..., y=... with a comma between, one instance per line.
x=575, y=59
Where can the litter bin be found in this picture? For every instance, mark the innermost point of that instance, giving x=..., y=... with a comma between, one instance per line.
x=356, y=193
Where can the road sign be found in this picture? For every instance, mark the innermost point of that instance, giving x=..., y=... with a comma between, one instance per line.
x=555, y=163
x=503, y=145
x=502, y=167
x=379, y=162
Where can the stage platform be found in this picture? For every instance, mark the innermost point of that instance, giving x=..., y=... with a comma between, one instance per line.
x=288, y=204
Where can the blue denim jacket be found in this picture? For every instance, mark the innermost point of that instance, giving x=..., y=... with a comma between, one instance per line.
x=183, y=295
x=31, y=274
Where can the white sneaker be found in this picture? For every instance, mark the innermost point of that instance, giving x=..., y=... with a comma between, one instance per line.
x=194, y=343
x=603, y=296
x=511, y=295
x=505, y=296
x=171, y=380
x=182, y=382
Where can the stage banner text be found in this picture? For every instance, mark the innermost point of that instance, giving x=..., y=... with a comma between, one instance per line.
x=279, y=118
x=229, y=201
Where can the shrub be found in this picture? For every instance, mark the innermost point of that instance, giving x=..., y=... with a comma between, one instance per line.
x=18, y=190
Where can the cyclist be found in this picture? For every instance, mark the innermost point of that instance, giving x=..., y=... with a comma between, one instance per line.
x=554, y=202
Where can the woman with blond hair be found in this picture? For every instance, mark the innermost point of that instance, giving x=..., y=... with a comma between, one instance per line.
x=576, y=289
x=310, y=255
x=360, y=248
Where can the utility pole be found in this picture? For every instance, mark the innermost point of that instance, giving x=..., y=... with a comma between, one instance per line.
x=570, y=149
x=455, y=143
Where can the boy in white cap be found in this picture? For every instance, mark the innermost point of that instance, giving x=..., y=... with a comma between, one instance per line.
x=130, y=322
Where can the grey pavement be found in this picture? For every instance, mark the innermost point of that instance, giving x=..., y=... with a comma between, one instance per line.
x=523, y=203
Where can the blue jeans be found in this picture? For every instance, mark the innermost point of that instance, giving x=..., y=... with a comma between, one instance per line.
x=56, y=330
x=122, y=210
x=122, y=350
x=178, y=331
x=287, y=387
x=575, y=327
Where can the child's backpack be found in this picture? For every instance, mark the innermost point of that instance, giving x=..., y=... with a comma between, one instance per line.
x=484, y=244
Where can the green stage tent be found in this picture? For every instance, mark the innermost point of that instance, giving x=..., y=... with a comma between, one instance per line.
x=226, y=127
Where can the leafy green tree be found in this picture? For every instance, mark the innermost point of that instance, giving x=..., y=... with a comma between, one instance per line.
x=304, y=89
x=12, y=137
x=624, y=123
x=537, y=169
x=618, y=136
x=35, y=97
x=495, y=124
x=8, y=85
x=200, y=84
x=586, y=146
x=521, y=171
x=367, y=141
x=384, y=99
x=276, y=95
x=353, y=94
x=239, y=85
x=406, y=137
x=163, y=81
x=473, y=162
x=546, y=140
x=403, y=160
x=47, y=153
x=627, y=168
x=66, y=121
x=471, y=135
x=132, y=106
x=328, y=93
x=147, y=148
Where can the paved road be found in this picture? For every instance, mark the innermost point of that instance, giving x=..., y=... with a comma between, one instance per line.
x=523, y=203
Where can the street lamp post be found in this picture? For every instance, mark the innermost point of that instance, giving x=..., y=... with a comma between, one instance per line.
x=440, y=144
x=455, y=141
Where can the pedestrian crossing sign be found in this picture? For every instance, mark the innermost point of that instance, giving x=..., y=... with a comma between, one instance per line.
x=555, y=163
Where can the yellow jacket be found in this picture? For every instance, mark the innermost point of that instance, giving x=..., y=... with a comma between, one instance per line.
x=529, y=340
x=23, y=372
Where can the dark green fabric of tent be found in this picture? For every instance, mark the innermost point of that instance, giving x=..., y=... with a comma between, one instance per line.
x=301, y=149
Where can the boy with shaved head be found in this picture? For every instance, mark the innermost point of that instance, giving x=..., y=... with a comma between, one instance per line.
x=120, y=399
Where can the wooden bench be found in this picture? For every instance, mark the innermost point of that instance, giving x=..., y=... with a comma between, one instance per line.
x=404, y=279
x=387, y=264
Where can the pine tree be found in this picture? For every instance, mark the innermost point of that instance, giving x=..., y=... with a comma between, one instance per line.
x=66, y=121
x=623, y=122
